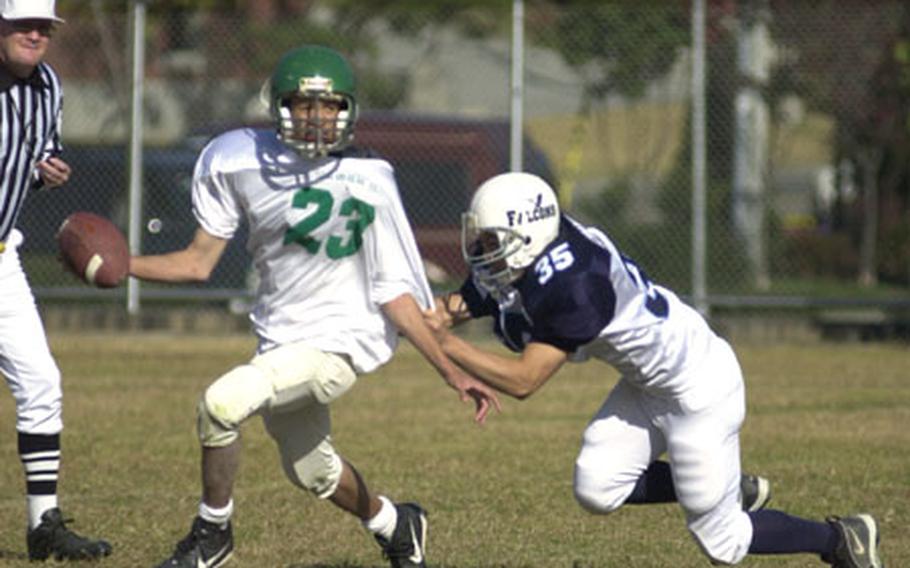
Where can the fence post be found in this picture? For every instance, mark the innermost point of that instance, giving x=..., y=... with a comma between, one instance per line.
x=699, y=240
x=516, y=121
x=137, y=73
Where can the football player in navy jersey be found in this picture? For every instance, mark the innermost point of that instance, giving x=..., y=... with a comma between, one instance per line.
x=559, y=291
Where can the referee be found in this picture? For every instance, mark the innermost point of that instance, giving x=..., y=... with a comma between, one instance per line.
x=30, y=114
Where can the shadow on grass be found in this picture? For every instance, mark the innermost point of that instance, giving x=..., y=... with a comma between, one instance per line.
x=12, y=555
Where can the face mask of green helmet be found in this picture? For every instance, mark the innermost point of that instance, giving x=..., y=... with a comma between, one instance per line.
x=319, y=76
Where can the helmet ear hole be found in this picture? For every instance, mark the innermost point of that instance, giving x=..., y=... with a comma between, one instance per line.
x=527, y=239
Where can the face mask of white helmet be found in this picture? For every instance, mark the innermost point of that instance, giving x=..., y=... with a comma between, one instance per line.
x=511, y=220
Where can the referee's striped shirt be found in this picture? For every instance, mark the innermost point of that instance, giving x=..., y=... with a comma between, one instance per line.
x=30, y=116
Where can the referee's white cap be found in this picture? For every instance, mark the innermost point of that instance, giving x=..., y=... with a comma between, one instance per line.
x=29, y=10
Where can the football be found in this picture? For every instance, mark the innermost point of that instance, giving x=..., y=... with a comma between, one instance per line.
x=94, y=249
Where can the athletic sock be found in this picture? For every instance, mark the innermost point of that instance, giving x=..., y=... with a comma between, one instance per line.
x=654, y=486
x=776, y=532
x=383, y=523
x=217, y=516
x=40, y=456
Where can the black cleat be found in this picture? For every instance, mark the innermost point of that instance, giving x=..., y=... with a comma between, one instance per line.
x=207, y=546
x=407, y=548
x=857, y=543
x=51, y=538
x=756, y=492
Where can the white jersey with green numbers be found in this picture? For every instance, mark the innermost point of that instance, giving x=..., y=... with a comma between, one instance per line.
x=329, y=238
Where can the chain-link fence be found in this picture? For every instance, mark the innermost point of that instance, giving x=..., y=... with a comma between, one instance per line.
x=808, y=192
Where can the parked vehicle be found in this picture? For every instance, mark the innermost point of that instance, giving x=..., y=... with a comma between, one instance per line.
x=439, y=162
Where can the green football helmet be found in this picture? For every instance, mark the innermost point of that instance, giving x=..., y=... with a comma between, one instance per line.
x=321, y=75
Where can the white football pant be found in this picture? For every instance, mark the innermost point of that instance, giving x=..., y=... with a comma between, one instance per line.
x=25, y=358
x=634, y=428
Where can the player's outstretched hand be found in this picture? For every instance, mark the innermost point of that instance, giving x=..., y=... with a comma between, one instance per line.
x=470, y=388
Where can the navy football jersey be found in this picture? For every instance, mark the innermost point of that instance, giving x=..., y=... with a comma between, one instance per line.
x=583, y=296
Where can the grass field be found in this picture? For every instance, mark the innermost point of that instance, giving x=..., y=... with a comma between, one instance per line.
x=828, y=423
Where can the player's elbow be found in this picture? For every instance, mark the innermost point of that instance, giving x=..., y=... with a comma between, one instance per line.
x=199, y=272
x=198, y=266
x=537, y=364
x=528, y=385
x=521, y=393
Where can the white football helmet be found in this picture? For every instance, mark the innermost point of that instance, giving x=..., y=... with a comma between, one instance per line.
x=511, y=220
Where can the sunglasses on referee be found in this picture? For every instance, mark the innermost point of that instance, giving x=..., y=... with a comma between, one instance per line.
x=27, y=26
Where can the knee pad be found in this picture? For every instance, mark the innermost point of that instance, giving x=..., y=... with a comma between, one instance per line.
x=300, y=375
x=229, y=401
x=318, y=472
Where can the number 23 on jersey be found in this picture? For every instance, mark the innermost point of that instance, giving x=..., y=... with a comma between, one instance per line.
x=359, y=214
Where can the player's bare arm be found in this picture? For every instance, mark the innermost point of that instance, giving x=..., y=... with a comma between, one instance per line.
x=407, y=317
x=192, y=264
x=519, y=377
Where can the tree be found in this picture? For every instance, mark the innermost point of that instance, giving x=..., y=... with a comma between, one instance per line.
x=848, y=60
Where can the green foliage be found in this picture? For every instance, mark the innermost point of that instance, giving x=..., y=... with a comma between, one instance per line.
x=663, y=249
x=168, y=6
x=867, y=93
x=265, y=43
x=813, y=254
x=154, y=7
x=629, y=46
x=476, y=18
x=382, y=90
x=894, y=254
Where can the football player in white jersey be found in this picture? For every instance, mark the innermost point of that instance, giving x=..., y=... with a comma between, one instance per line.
x=340, y=277
x=559, y=291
